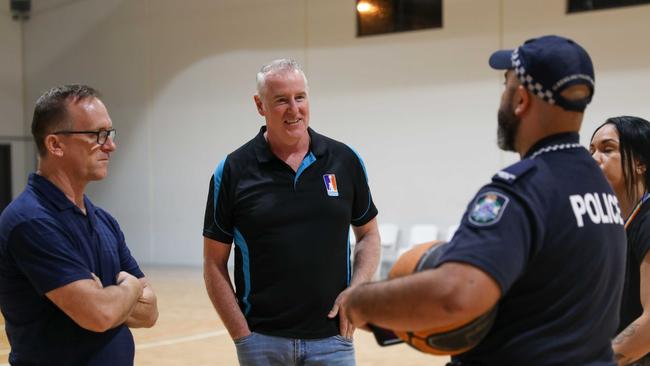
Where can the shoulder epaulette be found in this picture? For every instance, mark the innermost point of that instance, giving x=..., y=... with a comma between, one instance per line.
x=515, y=171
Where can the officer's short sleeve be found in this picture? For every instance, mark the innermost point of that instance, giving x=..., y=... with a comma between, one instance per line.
x=494, y=236
x=217, y=222
x=46, y=255
x=363, y=208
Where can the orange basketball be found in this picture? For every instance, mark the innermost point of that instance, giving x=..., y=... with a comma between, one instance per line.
x=441, y=341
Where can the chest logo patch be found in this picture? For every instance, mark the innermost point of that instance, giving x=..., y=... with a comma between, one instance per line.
x=330, y=185
x=488, y=208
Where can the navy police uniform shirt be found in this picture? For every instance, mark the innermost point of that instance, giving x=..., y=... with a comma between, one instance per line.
x=46, y=242
x=549, y=231
x=291, y=231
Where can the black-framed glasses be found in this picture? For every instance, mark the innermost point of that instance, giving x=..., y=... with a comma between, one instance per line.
x=102, y=135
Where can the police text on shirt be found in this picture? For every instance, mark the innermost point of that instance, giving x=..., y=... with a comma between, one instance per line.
x=600, y=208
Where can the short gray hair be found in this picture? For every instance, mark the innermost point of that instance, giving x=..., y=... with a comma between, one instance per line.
x=280, y=65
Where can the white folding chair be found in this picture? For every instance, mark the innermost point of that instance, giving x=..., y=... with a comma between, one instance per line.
x=423, y=233
x=419, y=234
x=389, y=234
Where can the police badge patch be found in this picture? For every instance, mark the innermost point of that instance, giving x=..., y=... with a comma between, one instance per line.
x=488, y=208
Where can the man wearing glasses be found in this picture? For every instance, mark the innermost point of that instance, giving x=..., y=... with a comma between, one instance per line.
x=69, y=287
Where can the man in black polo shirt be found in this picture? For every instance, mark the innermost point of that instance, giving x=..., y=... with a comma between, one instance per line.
x=544, y=240
x=287, y=199
x=69, y=287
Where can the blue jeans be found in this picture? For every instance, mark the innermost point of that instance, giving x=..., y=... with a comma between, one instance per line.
x=262, y=350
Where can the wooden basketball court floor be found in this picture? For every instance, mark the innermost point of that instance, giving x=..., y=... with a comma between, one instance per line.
x=189, y=331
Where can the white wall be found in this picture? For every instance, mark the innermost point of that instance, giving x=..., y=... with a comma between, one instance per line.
x=11, y=118
x=617, y=41
x=178, y=79
x=12, y=126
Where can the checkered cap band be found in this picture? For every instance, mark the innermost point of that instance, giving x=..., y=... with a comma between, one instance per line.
x=526, y=80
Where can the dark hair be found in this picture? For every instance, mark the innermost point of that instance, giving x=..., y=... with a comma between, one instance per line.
x=51, y=111
x=634, y=144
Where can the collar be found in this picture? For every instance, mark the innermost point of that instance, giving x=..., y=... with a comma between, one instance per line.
x=317, y=145
x=54, y=195
x=565, y=138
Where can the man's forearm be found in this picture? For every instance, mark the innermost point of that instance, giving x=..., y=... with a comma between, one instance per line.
x=632, y=343
x=383, y=303
x=447, y=297
x=126, y=308
x=145, y=311
x=366, y=259
x=109, y=307
x=217, y=283
x=94, y=307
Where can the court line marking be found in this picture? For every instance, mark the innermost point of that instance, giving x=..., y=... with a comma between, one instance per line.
x=171, y=341
x=167, y=342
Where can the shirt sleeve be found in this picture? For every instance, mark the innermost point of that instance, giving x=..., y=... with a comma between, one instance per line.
x=217, y=222
x=363, y=207
x=495, y=235
x=46, y=255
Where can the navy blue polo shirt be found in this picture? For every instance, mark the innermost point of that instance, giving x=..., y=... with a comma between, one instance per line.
x=47, y=242
x=549, y=230
x=291, y=231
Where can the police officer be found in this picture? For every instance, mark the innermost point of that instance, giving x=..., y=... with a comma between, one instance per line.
x=544, y=239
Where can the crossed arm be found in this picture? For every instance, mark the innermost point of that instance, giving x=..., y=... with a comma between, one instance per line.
x=99, y=308
x=145, y=311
